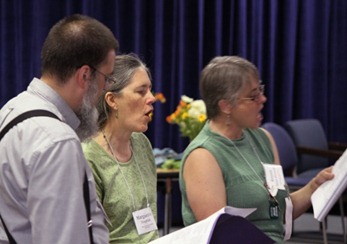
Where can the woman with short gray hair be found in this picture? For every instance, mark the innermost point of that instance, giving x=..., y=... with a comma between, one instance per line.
x=227, y=163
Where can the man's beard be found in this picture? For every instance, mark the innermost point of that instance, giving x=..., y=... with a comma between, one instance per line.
x=88, y=113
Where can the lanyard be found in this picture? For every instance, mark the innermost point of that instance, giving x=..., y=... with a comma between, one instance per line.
x=244, y=158
x=274, y=205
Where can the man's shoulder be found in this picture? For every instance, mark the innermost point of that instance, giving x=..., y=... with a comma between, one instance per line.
x=35, y=127
x=52, y=128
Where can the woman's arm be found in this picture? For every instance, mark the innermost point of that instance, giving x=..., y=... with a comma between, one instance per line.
x=204, y=181
x=302, y=198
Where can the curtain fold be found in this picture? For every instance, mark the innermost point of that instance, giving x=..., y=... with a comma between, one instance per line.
x=299, y=46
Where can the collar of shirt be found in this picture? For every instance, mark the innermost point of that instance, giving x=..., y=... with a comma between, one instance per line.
x=43, y=90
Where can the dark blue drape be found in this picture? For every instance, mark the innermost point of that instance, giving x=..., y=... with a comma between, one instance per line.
x=299, y=46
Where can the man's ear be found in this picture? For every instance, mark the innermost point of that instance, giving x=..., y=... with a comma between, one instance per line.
x=83, y=76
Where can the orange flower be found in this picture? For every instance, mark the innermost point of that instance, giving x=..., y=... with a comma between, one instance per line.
x=189, y=115
x=160, y=97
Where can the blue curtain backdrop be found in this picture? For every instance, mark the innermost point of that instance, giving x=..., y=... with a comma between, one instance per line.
x=299, y=46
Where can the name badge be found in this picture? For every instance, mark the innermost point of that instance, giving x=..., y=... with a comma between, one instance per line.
x=274, y=178
x=144, y=221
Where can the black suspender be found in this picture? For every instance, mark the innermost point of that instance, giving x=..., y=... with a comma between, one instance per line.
x=9, y=236
x=87, y=203
x=24, y=116
x=36, y=113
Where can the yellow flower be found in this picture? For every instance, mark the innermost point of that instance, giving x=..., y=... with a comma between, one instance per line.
x=190, y=116
x=202, y=118
x=184, y=116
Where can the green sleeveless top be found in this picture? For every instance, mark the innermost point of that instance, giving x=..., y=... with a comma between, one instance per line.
x=113, y=192
x=244, y=188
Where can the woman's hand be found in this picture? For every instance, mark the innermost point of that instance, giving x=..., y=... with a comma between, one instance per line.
x=323, y=176
x=301, y=198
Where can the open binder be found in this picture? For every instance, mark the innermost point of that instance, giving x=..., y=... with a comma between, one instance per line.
x=327, y=194
x=228, y=225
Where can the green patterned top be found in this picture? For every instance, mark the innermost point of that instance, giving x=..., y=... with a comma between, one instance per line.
x=244, y=188
x=113, y=192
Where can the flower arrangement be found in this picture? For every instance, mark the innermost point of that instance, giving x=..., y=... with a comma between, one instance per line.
x=190, y=116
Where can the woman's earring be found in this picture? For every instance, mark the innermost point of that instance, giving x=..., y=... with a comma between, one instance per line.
x=116, y=113
x=227, y=122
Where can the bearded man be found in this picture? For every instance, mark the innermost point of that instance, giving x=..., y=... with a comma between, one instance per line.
x=43, y=172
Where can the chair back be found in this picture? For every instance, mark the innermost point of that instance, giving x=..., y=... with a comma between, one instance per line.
x=308, y=133
x=285, y=146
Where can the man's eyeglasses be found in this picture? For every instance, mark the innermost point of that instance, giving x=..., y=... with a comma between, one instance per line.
x=108, y=80
x=256, y=97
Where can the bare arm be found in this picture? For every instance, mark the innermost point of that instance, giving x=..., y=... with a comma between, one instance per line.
x=302, y=198
x=204, y=183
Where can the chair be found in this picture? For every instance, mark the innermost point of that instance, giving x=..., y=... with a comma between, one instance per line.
x=288, y=156
x=314, y=150
x=289, y=160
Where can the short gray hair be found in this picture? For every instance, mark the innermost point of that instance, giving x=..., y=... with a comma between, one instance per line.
x=223, y=78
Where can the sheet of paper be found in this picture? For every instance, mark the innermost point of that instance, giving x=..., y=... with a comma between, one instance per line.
x=324, y=198
x=274, y=178
x=201, y=231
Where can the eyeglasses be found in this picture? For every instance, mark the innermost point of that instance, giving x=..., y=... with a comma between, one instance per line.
x=109, y=80
x=256, y=97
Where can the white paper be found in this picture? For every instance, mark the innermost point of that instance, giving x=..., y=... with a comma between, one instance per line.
x=144, y=220
x=201, y=231
x=327, y=194
x=274, y=178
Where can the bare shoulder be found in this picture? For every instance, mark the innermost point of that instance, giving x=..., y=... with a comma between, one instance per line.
x=266, y=132
x=268, y=135
x=201, y=162
x=273, y=146
x=199, y=156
